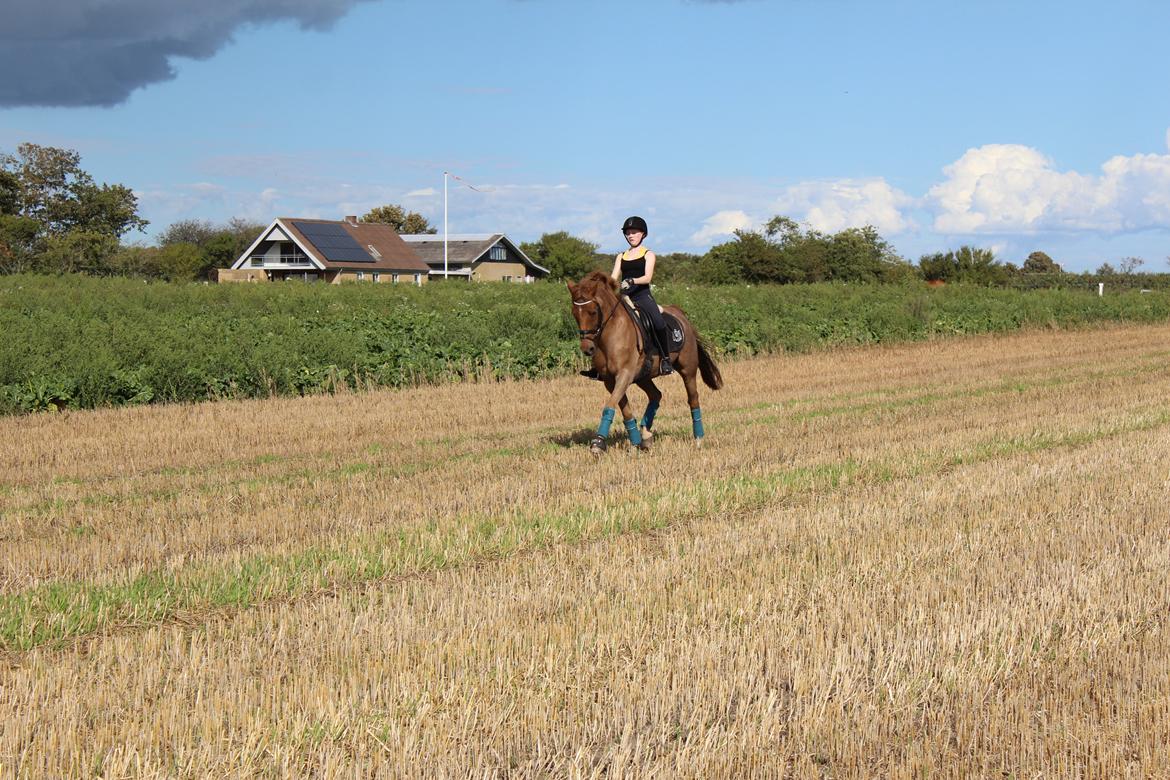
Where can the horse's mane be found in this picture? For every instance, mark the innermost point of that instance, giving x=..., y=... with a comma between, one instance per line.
x=596, y=281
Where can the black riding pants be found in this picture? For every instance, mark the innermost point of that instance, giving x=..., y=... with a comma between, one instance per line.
x=648, y=306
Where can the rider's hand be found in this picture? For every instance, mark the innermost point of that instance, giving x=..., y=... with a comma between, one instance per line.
x=626, y=285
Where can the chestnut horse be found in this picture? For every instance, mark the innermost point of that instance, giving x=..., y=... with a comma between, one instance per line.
x=613, y=339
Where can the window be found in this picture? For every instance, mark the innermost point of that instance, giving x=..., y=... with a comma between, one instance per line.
x=377, y=276
x=506, y=279
x=257, y=262
x=418, y=280
x=361, y=275
x=499, y=252
x=394, y=278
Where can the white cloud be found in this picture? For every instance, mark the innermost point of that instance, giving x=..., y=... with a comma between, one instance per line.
x=721, y=224
x=425, y=192
x=831, y=206
x=1008, y=188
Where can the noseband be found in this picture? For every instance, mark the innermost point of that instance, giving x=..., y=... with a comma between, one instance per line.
x=594, y=334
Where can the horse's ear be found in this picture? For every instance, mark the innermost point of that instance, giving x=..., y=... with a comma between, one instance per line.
x=572, y=288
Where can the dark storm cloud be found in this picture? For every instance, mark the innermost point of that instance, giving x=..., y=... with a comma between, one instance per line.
x=96, y=52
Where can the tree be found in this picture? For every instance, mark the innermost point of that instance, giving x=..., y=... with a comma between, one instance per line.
x=180, y=262
x=77, y=251
x=218, y=245
x=1106, y=270
x=787, y=253
x=862, y=255
x=1130, y=264
x=966, y=264
x=58, y=194
x=9, y=192
x=19, y=243
x=54, y=217
x=565, y=256
x=680, y=267
x=403, y=221
x=751, y=257
x=189, y=231
x=1041, y=263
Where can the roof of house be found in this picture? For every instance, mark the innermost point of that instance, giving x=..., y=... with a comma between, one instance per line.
x=385, y=248
x=462, y=248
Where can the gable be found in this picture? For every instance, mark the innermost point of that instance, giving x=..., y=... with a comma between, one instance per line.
x=271, y=235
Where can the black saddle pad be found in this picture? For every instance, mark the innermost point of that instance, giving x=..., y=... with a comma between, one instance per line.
x=674, y=332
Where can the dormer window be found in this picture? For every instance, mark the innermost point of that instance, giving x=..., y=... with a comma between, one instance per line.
x=498, y=252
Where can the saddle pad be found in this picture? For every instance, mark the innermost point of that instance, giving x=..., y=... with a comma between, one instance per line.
x=674, y=330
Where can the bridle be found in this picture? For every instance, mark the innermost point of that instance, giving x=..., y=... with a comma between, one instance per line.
x=595, y=333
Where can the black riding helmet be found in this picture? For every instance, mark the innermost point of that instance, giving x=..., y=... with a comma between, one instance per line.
x=636, y=223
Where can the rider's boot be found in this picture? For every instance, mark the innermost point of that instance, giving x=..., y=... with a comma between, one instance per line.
x=664, y=366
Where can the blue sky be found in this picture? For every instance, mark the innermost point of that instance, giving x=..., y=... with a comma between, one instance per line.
x=1010, y=125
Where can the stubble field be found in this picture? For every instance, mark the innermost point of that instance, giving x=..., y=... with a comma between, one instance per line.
x=947, y=559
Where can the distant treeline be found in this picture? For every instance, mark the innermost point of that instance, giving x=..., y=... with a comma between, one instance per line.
x=75, y=341
x=785, y=252
x=55, y=219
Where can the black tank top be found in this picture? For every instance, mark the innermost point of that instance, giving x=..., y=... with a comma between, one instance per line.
x=633, y=268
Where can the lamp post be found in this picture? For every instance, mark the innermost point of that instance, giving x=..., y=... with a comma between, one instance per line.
x=444, y=226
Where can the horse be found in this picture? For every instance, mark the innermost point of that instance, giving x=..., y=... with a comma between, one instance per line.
x=610, y=335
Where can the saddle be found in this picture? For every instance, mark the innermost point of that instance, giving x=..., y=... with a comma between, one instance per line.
x=674, y=330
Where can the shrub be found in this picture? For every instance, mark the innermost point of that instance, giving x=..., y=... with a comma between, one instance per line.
x=78, y=342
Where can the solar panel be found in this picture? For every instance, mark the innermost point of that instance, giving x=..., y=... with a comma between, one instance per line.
x=334, y=242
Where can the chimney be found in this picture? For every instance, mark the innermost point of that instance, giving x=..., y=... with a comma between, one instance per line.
x=351, y=220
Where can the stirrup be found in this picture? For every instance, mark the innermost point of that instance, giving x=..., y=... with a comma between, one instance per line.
x=664, y=366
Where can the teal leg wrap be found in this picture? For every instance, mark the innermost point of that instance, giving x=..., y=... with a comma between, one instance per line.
x=635, y=434
x=648, y=417
x=606, y=421
x=697, y=422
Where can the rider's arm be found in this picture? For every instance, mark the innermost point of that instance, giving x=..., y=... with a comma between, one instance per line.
x=649, y=275
x=617, y=269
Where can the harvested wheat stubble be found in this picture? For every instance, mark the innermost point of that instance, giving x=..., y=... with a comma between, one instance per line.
x=946, y=559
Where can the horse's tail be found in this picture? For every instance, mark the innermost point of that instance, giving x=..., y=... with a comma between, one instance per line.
x=710, y=372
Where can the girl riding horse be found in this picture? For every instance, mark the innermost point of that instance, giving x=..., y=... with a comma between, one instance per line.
x=610, y=335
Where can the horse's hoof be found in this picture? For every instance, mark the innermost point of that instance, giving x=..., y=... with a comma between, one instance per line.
x=597, y=446
x=699, y=443
x=647, y=435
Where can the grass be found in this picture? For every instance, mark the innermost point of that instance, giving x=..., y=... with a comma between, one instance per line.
x=944, y=559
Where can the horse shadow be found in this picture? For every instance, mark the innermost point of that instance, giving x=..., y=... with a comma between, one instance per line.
x=580, y=436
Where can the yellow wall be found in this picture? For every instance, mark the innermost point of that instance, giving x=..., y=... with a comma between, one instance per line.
x=242, y=275
x=495, y=272
x=385, y=277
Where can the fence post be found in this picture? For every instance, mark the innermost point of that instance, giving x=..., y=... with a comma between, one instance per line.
x=1100, y=289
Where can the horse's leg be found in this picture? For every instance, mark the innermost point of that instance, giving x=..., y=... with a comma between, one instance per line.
x=631, y=422
x=617, y=397
x=655, y=397
x=688, y=377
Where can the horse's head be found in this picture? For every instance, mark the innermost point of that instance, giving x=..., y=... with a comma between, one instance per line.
x=594, y=300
